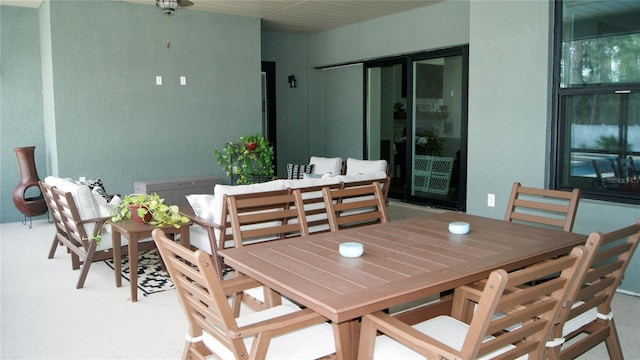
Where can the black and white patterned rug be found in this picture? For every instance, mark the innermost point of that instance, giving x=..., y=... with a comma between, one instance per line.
x=151, y=277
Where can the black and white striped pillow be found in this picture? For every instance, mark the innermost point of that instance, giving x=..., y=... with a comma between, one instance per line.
x=297, y=171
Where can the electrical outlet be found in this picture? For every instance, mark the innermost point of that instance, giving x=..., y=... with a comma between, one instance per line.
x=491, y=200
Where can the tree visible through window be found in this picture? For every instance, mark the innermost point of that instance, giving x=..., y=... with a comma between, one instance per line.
x=598, y=96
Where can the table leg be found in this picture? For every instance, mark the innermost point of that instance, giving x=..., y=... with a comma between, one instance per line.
x=133, y=266
x=346, y=337
x=117, y=256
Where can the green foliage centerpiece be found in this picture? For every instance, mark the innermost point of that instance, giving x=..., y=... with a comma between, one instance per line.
x=151, y=209
x=248, y=161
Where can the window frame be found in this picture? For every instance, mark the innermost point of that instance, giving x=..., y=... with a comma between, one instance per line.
x=557, y=125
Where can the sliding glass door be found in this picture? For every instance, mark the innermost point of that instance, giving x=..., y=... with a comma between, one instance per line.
x=416, y=119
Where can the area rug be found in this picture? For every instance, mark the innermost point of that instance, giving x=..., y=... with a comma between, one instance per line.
x=151, y=277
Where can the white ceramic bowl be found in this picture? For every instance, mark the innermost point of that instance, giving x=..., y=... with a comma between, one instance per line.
x=351, y=249
x=459, y=227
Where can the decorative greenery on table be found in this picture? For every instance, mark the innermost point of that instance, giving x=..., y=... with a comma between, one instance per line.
x=248, y=161
x=161, y=213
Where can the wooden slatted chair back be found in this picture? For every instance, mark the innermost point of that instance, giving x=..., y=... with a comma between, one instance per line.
x=215, y=330
x=590, y=318
x=202, y=296
x=266, y=216
x=80, y=244
x=314, y=209
x=529, y=313
x=49, y=198
x=552, y=208
x=355, y=206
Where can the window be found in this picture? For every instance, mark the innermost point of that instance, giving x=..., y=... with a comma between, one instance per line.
x=597, y=77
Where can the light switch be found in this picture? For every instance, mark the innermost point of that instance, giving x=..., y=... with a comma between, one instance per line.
x=158, y=80
x=183, y=80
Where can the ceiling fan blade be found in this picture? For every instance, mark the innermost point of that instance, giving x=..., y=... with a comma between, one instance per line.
x=184, y=3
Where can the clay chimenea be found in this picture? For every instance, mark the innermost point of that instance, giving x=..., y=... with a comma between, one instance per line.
x=28, y=205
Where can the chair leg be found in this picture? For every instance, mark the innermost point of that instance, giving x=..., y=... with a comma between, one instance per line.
x=54, y=247
x=613, y=342
x=86, y=265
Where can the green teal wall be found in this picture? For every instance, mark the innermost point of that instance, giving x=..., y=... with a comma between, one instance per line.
x=439, y=25
x=104, y=115
x=20, y=100
x=289, y=52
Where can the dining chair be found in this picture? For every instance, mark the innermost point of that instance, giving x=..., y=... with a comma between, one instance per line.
x=280, y=332
x=590, y=319
x=529, y=312
x=260, y=217
x=355, y=206
x=553, y=208
x=71, y=232
x=315, y=211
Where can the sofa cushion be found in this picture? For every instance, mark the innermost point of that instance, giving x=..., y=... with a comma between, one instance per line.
x=302, y=183
x=326, y=165
x=362, y=177
x=202, y=205
x=295, y=171
x=362, y=167
x=82, y=196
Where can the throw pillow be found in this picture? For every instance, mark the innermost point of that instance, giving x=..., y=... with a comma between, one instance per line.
x=297, y=171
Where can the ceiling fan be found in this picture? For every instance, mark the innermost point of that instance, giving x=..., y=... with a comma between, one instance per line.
x=169, y=6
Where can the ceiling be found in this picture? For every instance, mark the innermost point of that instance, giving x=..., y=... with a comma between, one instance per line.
x=296, y=16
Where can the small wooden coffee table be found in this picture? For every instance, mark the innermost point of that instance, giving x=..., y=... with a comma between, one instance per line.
x=135, y=232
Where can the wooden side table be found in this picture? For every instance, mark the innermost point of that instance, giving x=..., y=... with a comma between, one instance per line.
x=135, y=232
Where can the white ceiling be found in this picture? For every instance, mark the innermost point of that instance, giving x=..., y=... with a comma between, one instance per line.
x=298, y=16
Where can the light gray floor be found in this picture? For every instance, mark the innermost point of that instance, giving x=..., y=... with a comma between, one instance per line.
x=43, y=316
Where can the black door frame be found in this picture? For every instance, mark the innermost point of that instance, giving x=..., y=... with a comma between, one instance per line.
x=269, y=68
x=407, y=85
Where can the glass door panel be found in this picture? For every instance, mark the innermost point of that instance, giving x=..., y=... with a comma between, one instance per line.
x=436, y=128
x=416, y=120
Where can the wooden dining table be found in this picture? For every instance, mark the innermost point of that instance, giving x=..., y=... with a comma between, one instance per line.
x=403, y=261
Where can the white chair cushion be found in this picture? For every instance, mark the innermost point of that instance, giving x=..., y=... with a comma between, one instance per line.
x=361, y=167
x=580, y=320
x=326, y=165
x=445, y=329
x=308, y=343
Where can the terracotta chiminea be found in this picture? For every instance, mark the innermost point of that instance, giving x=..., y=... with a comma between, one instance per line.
x=33, y=205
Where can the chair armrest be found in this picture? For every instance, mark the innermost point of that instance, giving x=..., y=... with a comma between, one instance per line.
x=279, y=325
x=99, y=223
x=407, y=335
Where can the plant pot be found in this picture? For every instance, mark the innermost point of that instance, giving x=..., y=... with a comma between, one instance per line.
x=134, y=214
x=251, y=146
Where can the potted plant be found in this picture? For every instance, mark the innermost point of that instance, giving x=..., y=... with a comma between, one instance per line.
x=248, y=161
x=144, y=208
x=150, y=209
x=398, y=111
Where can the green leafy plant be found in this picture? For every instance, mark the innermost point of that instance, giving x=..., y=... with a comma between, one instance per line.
x=161, y=213
x=248, y=161
x=150, y=206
